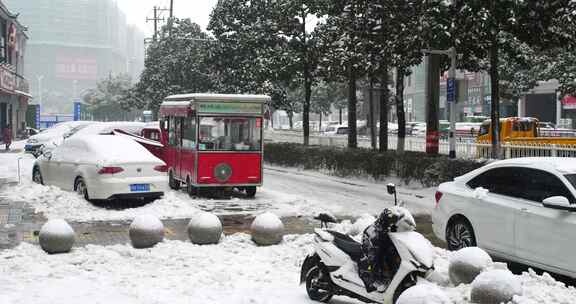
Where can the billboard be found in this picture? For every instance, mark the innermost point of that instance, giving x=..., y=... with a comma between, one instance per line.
x=76, y=68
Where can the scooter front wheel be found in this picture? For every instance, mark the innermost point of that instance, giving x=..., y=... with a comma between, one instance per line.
x=318, y=285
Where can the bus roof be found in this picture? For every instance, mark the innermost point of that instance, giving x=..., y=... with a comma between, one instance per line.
x=218, y=97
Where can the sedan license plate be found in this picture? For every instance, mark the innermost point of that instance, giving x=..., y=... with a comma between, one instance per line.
x=139, y=187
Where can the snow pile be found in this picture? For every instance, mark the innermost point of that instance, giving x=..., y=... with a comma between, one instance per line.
x=495, y=286
x=146, y=231
x=361, y=224
x=267, y=229
x=467, y=263
x=205, y=228
x=424, y=294
x=234, y=271
x=56, y=236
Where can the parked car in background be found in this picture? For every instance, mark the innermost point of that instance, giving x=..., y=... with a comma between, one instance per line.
x=52, y=137
x=336, y=130
x=417, y=128
x=103, y=167
x=521, y=209
x=101, y=128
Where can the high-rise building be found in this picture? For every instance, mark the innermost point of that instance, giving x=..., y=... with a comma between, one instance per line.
x=14, y=88
x=74, y=44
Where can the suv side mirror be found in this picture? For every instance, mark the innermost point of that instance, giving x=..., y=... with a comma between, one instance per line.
x=558, y=203
x=47, y=154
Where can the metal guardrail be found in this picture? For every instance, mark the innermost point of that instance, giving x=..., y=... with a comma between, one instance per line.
x=465, y=147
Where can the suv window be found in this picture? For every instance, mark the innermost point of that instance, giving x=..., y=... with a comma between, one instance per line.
x=526, y=183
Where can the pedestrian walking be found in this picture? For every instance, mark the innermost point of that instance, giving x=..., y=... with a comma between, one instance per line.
x=7, y=136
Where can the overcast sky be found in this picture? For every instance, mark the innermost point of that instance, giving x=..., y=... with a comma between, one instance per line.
x=137, y=11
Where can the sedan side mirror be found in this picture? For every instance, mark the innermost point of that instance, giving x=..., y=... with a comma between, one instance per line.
x=47, y=154
x=558, y=203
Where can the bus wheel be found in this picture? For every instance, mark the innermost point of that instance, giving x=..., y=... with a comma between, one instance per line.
x=172, y=182
x=250, y=191
x=190, y=188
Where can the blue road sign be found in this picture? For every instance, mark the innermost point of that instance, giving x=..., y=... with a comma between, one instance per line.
x=77, y=110
x=37, y=117
x=451, y=90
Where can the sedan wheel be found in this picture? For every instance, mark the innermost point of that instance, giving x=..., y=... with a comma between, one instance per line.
x=459, y=234
x=81, y=188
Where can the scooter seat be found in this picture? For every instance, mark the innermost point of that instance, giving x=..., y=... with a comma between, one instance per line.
x=347, y=244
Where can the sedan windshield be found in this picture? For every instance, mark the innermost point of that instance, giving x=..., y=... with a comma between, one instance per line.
x=230, y=134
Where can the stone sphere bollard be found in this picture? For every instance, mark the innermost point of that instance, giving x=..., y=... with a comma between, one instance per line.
x=146, y=231
x=495, y=286
x=204, y=228
x=267, y=229
x=466, y=264
x=56, y=236
x=423, y=294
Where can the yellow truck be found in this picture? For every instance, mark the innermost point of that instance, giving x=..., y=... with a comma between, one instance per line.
x=523, y=130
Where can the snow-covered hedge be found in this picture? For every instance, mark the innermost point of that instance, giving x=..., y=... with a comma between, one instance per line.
x=410, y=166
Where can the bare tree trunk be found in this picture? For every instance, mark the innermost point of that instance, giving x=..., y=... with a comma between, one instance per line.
x=400, y=114
x=291, y=119
x=320, y=125
x=307, y=84
x=495, y=99
x=372, y=123
x=384, y=95
x=432, y=103
x=352, y=136
x=339, y=116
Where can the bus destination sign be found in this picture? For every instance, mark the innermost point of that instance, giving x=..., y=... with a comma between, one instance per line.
x=230, y=107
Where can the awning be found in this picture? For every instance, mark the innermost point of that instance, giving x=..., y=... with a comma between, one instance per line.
x=569, y=102
x=23, y=94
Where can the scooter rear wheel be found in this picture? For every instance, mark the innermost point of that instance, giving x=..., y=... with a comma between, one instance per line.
x=318, y=285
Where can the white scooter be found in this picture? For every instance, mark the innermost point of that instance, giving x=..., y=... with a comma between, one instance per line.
x=332, y=268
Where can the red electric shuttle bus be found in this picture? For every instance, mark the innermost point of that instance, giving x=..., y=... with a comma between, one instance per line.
x=213, y=141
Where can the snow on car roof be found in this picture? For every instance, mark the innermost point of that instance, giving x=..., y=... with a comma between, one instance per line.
x=108, y=127
x=561, y=164
x=111, y=148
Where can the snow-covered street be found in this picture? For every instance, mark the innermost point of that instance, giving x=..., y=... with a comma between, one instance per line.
x=234, y=271
x=286, y=192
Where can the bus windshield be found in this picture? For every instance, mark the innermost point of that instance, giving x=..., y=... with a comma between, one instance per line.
x=230, y=134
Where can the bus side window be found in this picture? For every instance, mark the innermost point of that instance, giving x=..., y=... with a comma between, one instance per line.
x=173, y=132
x=189, y=133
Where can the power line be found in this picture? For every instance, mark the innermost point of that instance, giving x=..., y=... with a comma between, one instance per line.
x=155, y=19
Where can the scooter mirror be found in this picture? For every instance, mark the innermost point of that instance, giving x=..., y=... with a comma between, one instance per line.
x=391, y=188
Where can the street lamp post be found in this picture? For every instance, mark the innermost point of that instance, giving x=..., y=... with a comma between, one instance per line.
x=450, y=95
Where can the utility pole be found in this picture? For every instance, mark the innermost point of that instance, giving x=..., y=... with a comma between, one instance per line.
x=171, y=18
x=155, y=20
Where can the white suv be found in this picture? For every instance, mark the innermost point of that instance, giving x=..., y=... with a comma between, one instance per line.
x=521, y=209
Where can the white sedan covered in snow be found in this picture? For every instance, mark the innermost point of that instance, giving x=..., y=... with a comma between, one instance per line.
x=103, y=167
x=521, y=209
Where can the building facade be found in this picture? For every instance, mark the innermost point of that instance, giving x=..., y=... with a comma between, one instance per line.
x=14, y=87
x=74, y=44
